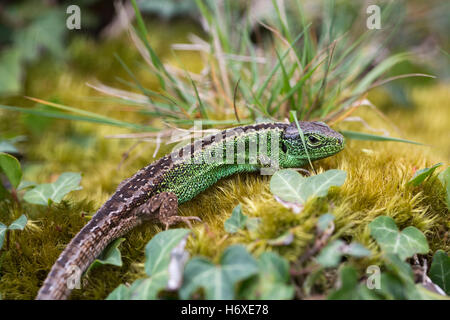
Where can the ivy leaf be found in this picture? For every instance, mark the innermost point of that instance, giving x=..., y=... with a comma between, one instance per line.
x=25, y=185
x=148, y=288
x=11, y=167
x=349, y=281
x=239, y=221
x=444, y=177
x=292, y=187
x=405, y=243
x=422, y=293
x=236, y=264
x=19, y=224
x=274, y=277
x=122, y=292
x=10, y=71
x=45, y=194
x=409, y=289
x=168, y=9
x=399, y=268
x=284, y=239
x=272, y=282
x=440, y=270
x=158, y=253
x=45, y=31
x=324, y=221
x=136, y=291
x=396, y=283
x=287, y=185
x=331, y=255
x=236, y=221
x=349, y=288
x=318, y=185
x=356, y=250
x=311, y=279
x=158, y=256
x=392, y=287
x=422, y=174
x=111, y=255
x=3, y=230
x=7, y=147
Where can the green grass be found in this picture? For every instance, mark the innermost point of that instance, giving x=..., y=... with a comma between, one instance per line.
x=316, y=72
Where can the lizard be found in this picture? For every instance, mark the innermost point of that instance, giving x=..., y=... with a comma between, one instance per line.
x=155, y=191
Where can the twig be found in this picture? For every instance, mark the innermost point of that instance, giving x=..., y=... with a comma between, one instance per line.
x=318, y=244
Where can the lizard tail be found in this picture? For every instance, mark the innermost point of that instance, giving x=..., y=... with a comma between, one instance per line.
x=82, y=250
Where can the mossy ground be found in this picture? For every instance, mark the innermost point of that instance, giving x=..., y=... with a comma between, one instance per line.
x=376, y=181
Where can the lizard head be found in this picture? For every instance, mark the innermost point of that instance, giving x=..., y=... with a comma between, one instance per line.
x=321, y=141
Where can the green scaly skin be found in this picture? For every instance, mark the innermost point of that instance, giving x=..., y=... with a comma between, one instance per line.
x=156, y=190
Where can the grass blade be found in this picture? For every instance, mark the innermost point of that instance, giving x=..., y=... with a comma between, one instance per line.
x=372, y=137
x=302, y=136
x=275, y=68
x=67, y=116
x=381, y=68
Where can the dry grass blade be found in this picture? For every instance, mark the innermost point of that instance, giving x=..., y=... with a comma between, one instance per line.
x=119, y=93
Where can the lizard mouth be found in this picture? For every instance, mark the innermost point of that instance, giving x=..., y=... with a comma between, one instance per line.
x=341, y=140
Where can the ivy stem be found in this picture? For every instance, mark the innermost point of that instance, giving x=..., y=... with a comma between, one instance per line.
x=15, y=197
x=7, y=239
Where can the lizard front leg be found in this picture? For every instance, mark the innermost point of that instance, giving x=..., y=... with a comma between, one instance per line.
x=164, y=207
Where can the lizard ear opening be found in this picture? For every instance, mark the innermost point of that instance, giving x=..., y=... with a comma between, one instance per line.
x=283, y=147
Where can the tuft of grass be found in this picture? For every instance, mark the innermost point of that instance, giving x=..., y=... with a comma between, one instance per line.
x=312, y=72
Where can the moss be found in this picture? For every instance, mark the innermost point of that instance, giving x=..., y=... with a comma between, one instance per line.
x=376, y=185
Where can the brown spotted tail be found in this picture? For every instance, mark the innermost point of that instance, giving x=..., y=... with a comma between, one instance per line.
x=93, y=238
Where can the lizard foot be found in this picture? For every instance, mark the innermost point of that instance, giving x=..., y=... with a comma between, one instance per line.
x=303, y=172
x=167, y=203
x=175, y=219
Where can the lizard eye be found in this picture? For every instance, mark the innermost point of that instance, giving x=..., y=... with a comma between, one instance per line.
x=283, y=147
x=313, y=141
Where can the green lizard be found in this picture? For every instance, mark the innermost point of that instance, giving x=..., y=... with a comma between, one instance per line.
x=155, y=191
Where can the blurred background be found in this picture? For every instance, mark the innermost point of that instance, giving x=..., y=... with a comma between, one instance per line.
x=33, y=32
